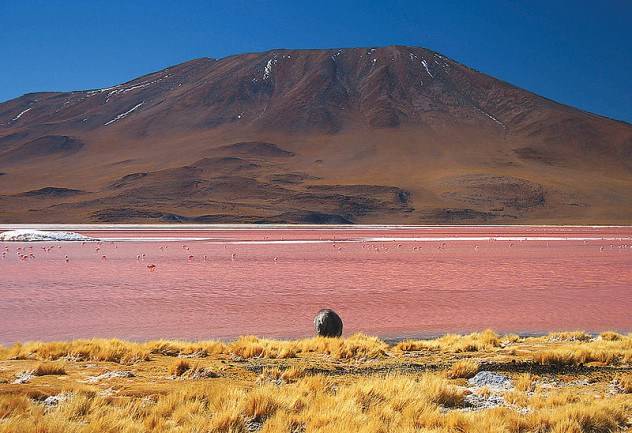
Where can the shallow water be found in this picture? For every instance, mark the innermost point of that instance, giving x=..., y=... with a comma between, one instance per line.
x=392, y=282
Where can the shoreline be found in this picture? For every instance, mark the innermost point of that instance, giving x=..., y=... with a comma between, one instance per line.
x=389, y=340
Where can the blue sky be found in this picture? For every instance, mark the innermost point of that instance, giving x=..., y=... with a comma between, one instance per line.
x=576, y=52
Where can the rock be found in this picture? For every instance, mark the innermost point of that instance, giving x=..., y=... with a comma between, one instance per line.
x=328, y=323
x=110, y=375
x=54, y=400
x=491, y=380
x=477, y=401
x=200, y=373
x=495, y=384
x=23, y=377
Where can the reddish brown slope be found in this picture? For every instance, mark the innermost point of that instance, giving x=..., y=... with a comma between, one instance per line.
x=393, y=135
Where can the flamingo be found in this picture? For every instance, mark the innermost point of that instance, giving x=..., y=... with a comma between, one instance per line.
x=151, y=267
x=66, y=259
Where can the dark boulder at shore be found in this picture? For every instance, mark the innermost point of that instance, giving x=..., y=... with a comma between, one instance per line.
x=328, y=323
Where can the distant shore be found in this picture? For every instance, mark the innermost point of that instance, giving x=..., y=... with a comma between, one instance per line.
x=106, y=226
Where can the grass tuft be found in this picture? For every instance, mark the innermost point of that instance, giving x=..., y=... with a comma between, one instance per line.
x=179, y=367
x=49, y=368
x=463, y=369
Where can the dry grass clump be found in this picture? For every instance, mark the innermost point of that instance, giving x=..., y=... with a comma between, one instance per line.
x=179, y=367
x=358, y=346
x=624, y=381
x=569, y=336
x=13, y=405
x=611, y=336
x=275, y=374
x=476, y=341
x=525, y=382
x=604, y=351
x=463, y=369
x=97, y=349
x=186, y=348
x=253, y=347
x=249, y=347
x=49, y=368
x=261, y=403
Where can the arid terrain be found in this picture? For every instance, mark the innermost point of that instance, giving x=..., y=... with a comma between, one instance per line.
x=364, y=135
x=482, y=382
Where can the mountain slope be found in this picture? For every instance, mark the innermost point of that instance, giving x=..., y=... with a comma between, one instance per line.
x=379, y=135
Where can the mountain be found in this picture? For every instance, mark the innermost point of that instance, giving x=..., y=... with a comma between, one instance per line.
x=378, y=135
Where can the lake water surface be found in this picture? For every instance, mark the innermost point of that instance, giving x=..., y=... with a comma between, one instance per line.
x=221, y=282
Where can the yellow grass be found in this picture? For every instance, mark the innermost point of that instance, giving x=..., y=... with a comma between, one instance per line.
x=49, y=368
x=454, y=343
x=525, y=382
x=569, y=336
x=357, y=384
x=610, y=352
x=463, y=369
x=179, y=367
x=625, y=382
x=354, y=347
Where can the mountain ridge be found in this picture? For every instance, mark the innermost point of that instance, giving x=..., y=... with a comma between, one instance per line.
x=365, y=128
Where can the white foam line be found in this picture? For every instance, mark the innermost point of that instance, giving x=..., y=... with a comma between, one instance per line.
x=230, y=241
x=371, y=239
x=148, y=239
x=498, y=238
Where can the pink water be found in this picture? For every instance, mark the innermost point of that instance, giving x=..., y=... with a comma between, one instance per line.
x=391, y=282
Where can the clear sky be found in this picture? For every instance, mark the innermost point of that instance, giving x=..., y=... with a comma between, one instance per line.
x=576, y=52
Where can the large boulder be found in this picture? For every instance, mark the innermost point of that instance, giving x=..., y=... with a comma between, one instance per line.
x=328, y=323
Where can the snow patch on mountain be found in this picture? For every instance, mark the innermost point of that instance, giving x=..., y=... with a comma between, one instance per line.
x=21, y=114
x=268, y=69
x=423, y=62
x=123, y=115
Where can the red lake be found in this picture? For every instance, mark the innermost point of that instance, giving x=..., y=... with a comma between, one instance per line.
x=205, y=282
